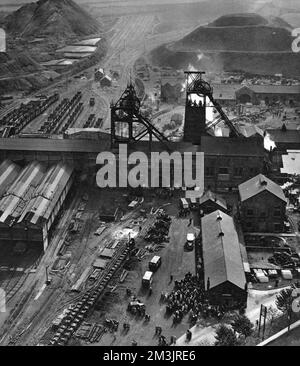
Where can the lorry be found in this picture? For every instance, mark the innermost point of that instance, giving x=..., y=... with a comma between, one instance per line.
x=147, y=279
x=194, y=204
x=155, y=263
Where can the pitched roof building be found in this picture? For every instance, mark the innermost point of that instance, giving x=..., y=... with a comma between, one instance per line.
x=259, y=184
x=210, y=202
x=224, y=273
x=30, y=203
x=255, y=93
x=262, y=205
x=284, y=139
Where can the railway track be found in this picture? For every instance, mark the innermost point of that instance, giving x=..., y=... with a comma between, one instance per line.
x=19, y=316
x=13, y=285
x=85, y=302
x=15, y=280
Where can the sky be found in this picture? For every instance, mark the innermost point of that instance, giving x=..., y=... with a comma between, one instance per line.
x=16, y=2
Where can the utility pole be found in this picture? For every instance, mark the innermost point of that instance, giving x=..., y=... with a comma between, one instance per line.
x=265, y=318
x=289, y=317
x=263, y=314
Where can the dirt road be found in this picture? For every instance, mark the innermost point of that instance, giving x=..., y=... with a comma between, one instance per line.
x=176, y=262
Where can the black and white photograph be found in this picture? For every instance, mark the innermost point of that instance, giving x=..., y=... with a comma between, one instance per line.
x=149, y=176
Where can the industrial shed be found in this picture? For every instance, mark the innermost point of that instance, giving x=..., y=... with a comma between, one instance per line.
x=172, y=90
x=211, y=202
x=8, y=174
x=282, y=139
x=30, y=204
x=99, y=73
x=268, y=93
x=225, y=93
x=78, y=153
x=106, y=81
x=224, y=273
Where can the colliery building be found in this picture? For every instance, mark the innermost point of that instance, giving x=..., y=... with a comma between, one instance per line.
x=230, y=94
x=79, y=153
x=31, y=198
x=224, y=273
x=225, y=162
x=172, y=90
x=255, y=94
x=262, y=205
x=211, y=202
x=279, y=142
x=225, y=93
x=229, y=162
x=282, y=139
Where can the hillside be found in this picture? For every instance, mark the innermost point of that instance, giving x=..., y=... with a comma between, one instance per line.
x=14, y=64
x=55, y=18
x=19, y=72
x=239, y=20
x=238, y=32
x=236, y=42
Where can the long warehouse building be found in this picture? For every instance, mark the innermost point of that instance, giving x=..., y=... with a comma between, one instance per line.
x=224, y=271
x=30, y=199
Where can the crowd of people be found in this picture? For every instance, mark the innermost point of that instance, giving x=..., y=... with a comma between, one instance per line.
x=189, y=298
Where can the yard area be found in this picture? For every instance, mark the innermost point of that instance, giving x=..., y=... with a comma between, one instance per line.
x=176, y=261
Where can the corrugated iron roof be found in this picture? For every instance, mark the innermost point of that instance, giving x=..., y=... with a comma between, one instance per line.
x=15, y=199
x=34, y=194
x=258, y=184
x=221, y=251
x=41, y=205
x=8, y=174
